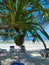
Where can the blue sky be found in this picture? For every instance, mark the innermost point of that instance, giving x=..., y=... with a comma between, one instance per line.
x=46, y=25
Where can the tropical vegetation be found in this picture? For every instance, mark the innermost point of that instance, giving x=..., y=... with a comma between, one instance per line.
x=17, y=18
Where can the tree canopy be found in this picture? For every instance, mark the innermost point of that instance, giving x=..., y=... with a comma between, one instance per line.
x=18, y=16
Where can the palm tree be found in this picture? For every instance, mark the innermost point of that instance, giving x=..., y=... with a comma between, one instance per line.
x=16, y=20
x=47, y=1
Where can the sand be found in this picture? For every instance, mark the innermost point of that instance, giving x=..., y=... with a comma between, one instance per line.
x=30, y=57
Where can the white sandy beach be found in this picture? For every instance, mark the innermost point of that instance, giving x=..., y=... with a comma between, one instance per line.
x=30, y=57
x=29, y=45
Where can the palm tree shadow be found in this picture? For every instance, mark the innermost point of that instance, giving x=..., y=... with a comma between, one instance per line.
x=27, y=58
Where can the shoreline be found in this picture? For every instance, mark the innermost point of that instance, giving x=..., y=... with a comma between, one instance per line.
x=28, y=46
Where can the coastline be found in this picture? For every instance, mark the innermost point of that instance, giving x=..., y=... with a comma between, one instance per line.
x=28, y=45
